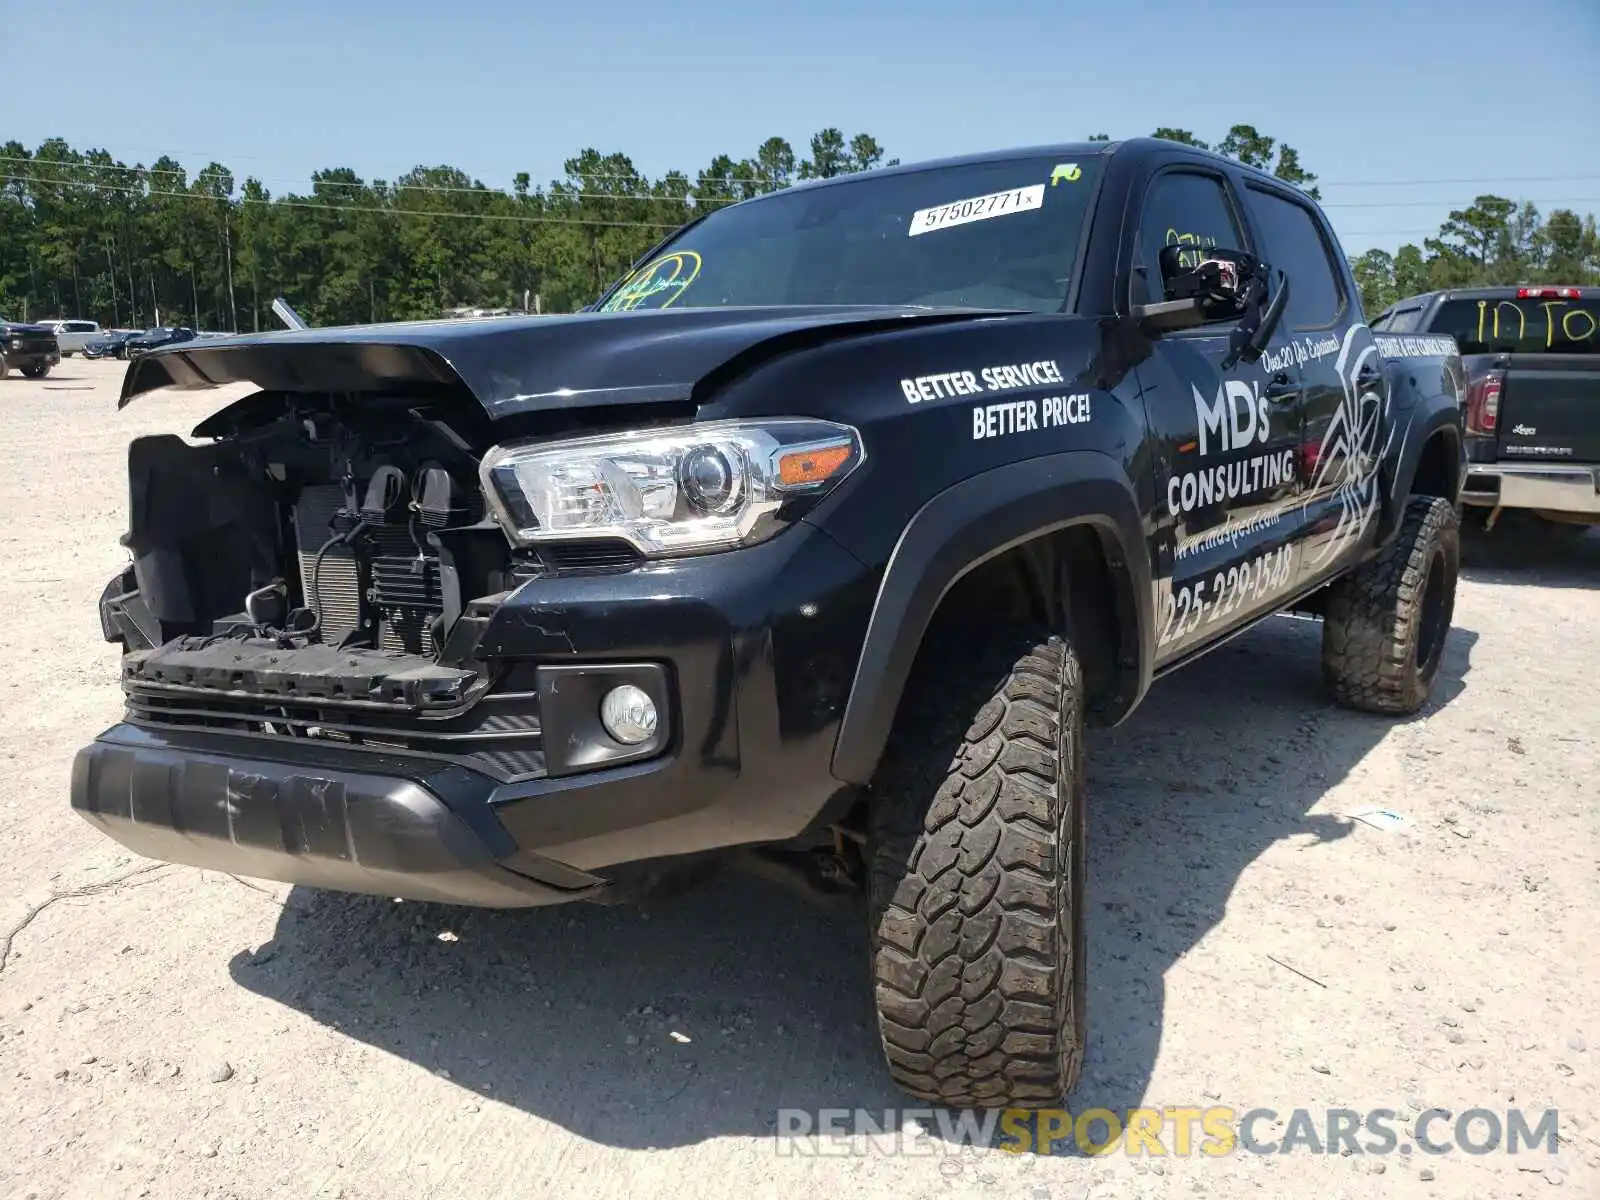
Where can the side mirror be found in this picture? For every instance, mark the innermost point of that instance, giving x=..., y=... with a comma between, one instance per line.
x=1203, y=286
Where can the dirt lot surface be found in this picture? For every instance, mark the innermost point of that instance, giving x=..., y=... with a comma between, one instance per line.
x=171, y=1032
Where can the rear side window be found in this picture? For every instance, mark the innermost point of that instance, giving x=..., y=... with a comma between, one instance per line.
x=1491, y=326
x=1188, y=209
x=1404, y=320
x=1295, y=245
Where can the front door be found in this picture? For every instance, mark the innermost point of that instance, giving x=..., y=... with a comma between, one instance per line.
x=1226, y=434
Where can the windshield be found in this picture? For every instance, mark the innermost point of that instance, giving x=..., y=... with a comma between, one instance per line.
x=990, y=235
x=1521, y=326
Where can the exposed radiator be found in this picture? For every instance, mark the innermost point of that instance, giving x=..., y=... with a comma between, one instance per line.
x=336, y=594
x=406, y=591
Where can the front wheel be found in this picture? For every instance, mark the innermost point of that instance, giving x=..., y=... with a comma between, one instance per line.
x=977, y=879
x=1386, y=622
x=37, y=371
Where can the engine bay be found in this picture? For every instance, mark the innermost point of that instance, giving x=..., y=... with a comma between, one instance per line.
x=307, y=527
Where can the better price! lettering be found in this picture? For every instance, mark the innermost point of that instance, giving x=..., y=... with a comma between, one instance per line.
x=1020, y=416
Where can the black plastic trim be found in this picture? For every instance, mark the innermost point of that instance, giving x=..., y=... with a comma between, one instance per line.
x=958, y=530
x=307, y=823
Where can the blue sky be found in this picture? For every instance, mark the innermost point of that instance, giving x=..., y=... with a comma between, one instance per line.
x=1381, y=99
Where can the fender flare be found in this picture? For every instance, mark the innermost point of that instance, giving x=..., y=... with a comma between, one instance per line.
x=960, y=529
x=1427, y=418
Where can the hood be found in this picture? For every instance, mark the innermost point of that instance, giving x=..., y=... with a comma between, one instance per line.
x=520, y=364
x=25, y=327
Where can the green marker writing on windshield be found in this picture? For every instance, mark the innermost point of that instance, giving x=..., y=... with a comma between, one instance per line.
x=1071, y=172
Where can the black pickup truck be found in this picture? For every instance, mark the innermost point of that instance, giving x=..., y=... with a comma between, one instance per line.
x=1530, y=357
x=824, y=534
x=30, y=349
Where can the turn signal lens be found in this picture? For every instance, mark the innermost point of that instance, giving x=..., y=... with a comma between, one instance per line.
x=798, y=468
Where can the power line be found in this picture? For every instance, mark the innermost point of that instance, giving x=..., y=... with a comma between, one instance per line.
x=476, y=189
x=358, y=208
x=1453, y=182
x=702, y=195
x=555, y=220
x=758, y=176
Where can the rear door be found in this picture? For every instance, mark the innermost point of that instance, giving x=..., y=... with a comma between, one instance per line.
x=1224, y=436
x=1546, y=341
x=1341, y=374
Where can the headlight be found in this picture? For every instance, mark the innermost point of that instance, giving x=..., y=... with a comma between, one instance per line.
x=667, y=491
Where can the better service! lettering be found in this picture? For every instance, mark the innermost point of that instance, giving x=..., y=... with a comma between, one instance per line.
x=947, y=385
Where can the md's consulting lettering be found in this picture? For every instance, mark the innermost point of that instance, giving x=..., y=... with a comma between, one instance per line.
x=1237, y=419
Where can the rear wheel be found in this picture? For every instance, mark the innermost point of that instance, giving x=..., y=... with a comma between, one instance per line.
x=977, y=879
x=1386, y=622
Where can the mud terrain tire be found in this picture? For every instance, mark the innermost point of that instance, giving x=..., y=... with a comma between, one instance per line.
x=1387, y=621
x=977, y=878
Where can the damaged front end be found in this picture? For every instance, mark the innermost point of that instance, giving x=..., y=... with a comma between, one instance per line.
x=322, y=572
x=419, y=620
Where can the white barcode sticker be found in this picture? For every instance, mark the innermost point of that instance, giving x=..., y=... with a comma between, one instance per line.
x=977, y=208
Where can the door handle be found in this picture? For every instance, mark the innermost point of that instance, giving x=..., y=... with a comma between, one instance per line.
x=1368, y=374
x=1281, y=389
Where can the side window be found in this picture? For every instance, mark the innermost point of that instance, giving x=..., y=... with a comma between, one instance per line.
x=1295, y=245
x=1405, y=321
x=1182, y=208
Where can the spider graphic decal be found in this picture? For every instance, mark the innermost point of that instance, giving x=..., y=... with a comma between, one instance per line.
x=1350, y=452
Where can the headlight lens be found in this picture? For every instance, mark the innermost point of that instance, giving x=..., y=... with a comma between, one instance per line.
x=684, y=490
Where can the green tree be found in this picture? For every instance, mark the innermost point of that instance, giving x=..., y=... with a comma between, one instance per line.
x=829, y=156
x=775, y=163
x=1568, y=249
x=1411, y=272
x=84, y=234
x=1374, y=272
x=1473, y=235
x=1179, y=135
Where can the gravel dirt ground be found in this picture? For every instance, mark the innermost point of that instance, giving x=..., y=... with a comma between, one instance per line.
x=169, y=1032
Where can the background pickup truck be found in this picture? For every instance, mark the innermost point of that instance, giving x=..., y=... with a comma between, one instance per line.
x=816, y=544
x=1531, y=359
x=30, y=349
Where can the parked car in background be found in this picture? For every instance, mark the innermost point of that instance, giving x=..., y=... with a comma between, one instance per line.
x=1531, y=359
x=162, y=335
x=110, y=345
x=31, y=349
x=73, y=336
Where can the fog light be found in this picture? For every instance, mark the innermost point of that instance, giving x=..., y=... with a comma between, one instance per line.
x=629, y=715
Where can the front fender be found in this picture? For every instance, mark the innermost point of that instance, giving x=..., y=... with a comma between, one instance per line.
x=965, y=526
x=1426, y=404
